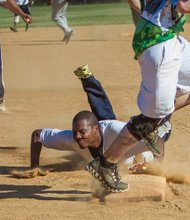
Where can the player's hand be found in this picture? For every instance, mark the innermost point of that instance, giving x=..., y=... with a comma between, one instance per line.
x=27, y=18
x=138, y=168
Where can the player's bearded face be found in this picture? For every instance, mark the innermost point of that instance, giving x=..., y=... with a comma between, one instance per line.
x=86, y=135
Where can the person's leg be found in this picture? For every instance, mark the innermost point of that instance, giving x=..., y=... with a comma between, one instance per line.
x=2, y=90
x=69, y=33
x=14, y=28
x=157, y=64
x=183, y=87
x=59, y=11
x=26, y=9
x=97, y=97
x=182, y=97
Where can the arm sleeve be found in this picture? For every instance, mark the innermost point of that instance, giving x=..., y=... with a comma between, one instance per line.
x=58, y=139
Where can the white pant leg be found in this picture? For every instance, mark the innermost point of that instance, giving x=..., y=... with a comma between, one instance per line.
x=184, y=73
x=139, y=153
x=59, y=15
x=16, y=18
x=160, y=66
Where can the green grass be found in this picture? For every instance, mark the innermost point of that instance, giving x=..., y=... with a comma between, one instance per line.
x=89, y=14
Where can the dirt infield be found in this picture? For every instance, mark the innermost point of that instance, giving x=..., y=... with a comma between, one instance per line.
x=41, y=91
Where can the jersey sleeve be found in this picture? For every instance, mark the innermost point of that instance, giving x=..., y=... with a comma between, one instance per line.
x=58, y=139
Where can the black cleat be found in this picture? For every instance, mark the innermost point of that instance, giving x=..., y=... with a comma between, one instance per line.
x=108, y=177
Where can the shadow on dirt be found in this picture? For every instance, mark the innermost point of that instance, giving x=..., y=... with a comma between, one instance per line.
x=42, y=192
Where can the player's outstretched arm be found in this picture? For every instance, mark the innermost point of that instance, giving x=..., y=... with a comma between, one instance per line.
x=35, y=170
x=35, y=148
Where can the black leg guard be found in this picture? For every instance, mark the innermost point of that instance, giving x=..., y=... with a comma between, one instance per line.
x=142, y=127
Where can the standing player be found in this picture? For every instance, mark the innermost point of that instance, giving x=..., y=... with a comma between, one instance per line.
x=59, y=16
x=12, y=6
x=164, y=57
x=24, y=5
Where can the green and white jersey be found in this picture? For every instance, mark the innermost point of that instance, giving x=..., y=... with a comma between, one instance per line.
x=159, y=22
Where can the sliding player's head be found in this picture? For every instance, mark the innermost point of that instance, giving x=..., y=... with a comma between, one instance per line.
x=86, y=130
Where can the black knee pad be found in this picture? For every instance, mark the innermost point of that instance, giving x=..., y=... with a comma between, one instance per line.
x=141, y=126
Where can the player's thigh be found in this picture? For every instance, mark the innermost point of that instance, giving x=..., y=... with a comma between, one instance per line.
x=184, y=73
x=57, y=8
x=159, y=69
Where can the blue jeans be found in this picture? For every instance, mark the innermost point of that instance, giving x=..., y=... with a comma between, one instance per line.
x=97, y=99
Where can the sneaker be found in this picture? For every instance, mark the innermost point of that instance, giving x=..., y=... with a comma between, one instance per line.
x=2, y=105
x=68, y=36
x=14, y=29
x=27, y=27
x=108, y=177
x=83, y=72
